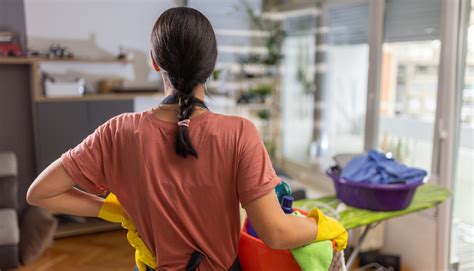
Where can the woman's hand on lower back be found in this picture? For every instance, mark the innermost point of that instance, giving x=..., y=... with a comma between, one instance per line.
x=54, y=190
x=275, y=228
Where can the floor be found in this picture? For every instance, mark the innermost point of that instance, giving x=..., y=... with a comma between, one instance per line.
x=463, y=245
x=101, y=252
x=107, y=251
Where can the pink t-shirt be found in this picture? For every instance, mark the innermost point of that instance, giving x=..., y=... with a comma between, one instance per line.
x=178, y=205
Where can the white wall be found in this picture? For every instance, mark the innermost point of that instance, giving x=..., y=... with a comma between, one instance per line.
x=96, y=29
x=413, y=237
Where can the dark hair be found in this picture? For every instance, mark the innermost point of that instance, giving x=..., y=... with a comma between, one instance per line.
x=185, y=48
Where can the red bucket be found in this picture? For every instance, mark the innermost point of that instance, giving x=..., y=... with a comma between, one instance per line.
x=254, y=255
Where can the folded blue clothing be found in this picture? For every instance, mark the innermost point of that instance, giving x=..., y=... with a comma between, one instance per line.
x=379, y=168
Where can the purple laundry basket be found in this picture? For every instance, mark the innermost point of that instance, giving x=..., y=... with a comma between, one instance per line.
x=375, y=197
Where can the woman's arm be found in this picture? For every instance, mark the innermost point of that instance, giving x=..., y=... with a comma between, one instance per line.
x=54, y=190
x=277, y=229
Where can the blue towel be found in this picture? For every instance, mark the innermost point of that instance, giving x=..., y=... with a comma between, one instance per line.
x=377, y=168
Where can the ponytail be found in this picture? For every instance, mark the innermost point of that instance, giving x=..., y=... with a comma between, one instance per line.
x=184, y=46
x=187, y=103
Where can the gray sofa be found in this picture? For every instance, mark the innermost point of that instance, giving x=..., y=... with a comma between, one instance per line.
x=24, y=234
x=9, y=228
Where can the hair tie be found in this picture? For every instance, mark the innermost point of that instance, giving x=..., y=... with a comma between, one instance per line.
x=184, y=123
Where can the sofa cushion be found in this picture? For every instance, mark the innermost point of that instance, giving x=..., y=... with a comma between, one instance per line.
x=9, y=231
x=8, y=192
x=8, y=180
x=9, y=257
x=37, y=232
x=8, y=164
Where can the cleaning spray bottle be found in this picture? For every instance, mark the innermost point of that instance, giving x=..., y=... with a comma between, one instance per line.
x=282, y=189
x=287, y=204
x=285, y=199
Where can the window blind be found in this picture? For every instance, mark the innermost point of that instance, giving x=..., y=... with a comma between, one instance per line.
x=412, y=20
x=347, y=24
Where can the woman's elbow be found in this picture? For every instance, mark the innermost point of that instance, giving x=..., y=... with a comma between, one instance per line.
x=274, y=239
x=275, y=243
x=52, y=182
x=31, y=197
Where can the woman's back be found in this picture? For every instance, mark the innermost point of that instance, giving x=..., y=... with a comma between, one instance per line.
x=179, y=205
x=180, y=171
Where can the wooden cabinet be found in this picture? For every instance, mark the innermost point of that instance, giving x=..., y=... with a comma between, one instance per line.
x=63, y=125
x=100, y=111
x=39, y=128
x=60, y=126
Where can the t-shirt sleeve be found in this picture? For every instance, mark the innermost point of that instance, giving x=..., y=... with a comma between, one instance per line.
x=255, y=176
x=86, y=162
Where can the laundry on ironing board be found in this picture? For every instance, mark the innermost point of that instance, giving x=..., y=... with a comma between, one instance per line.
x=379, y=168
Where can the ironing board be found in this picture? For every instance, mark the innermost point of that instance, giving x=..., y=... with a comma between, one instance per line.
x=427, y=196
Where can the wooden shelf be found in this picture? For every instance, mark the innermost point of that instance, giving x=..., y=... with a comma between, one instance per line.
x=97, y=97
x=35, y=60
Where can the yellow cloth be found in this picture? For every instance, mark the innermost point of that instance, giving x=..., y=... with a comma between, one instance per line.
x=329, y=229
x=112, y=211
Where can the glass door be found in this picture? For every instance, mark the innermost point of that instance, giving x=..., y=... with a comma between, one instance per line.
x=409, y=83
x=344, y=81
x=409, y=80
x=324, y=84
x=462, y=230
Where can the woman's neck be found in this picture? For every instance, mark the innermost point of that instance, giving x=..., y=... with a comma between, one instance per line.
x=199, y=91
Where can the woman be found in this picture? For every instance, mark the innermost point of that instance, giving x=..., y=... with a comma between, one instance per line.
x=179, y=170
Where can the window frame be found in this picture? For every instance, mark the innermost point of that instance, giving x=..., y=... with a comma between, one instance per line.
x=307, y=172
x=454, y=24
x=453, y=34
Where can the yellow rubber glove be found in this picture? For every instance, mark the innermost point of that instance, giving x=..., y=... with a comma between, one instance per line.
x=143, y=255
x=111, y=210
x=329, y=229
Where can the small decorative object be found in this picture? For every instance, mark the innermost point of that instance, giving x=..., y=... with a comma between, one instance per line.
x=58, y=51
x=109, y=85
x=257, y=94
x=244, y=98
x=216, y=74
x=9, y=45
x=262, y=90
x=122, y=55
x=34, y=53
x=264, y=114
